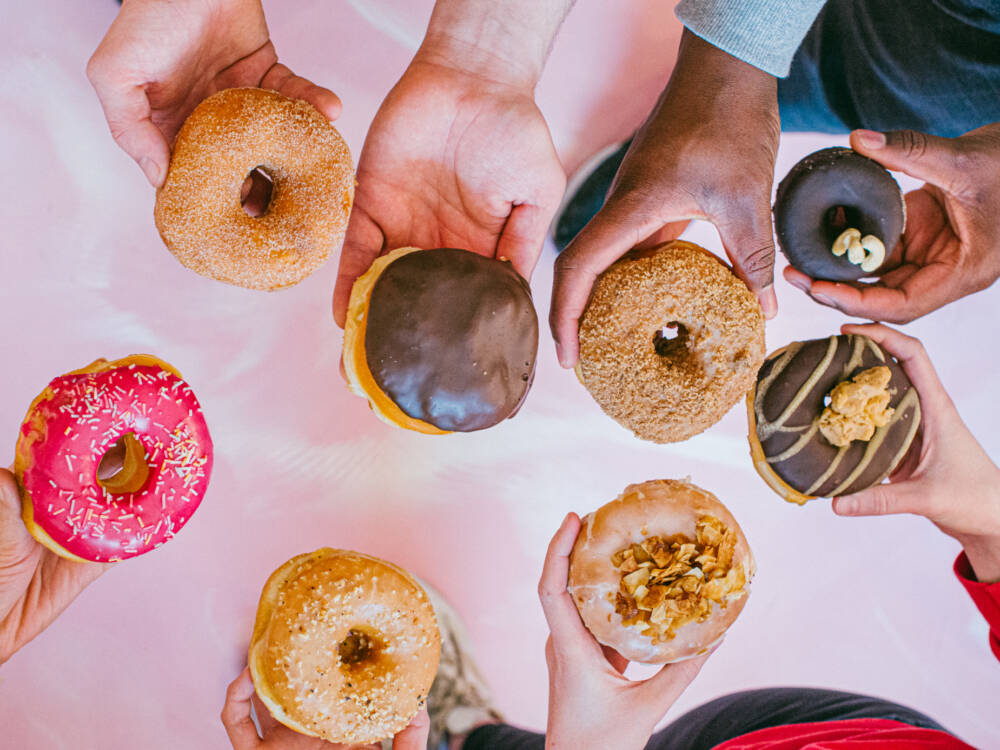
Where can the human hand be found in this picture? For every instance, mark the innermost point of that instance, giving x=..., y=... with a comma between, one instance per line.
x=946, y=475
x=706, y=151
x=161, y=58
x=240, y=697
x=457, y=156
x=36, y=585
x=591, y=702
x=951, y=244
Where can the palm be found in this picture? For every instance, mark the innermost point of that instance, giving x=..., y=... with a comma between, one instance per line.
x=452, y=161
x=35, y=584
x=930, y=241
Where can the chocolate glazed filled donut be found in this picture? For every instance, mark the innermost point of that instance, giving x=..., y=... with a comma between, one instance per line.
x=830, y=417
x=441, y=340
x=838, y=214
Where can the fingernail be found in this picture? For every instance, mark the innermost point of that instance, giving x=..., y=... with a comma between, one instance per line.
x=560, y=355
x=845, y=506
x=151, y=170
x=870, y=139
x=823, y=299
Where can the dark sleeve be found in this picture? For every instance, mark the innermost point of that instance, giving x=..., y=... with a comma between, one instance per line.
x=986, y=597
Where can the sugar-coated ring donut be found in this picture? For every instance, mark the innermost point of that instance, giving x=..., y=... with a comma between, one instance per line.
x=663, y=509
x=112, y=460
x=229, y=136
x=441, y=340
x=667, y=389
x=785, y=406
x=827, y=193
x=345, y=646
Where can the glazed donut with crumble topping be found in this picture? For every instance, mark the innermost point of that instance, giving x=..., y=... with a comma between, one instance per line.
x=307, y=179
x=669, y=341
x=345, y=646
x=112, y=459
x=661, y=572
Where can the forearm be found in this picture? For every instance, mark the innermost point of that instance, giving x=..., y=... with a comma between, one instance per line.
x=984, y=557
x=503, y=40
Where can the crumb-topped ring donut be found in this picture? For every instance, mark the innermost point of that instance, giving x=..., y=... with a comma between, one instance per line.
x=229, y=136
x=112, y=459
x=667, y=389
x=345, y=646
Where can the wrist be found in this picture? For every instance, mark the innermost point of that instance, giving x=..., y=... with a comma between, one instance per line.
x=505, y=44
x=984, y=557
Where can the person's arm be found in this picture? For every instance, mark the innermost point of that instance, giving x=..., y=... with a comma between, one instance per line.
x=763, y=33
x=951, y=244
x=161, y=58
x=706, y=151
x=591, y=702
x=458, y=154
x=946, y=477
x=36, y=585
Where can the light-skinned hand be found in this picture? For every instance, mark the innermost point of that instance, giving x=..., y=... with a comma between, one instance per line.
x=161, y=58
x=36, y=585
x=458, y=155
x=706, y=151
x=946, y=476
x=951, y=244
x=237, y=719
x=591, y=702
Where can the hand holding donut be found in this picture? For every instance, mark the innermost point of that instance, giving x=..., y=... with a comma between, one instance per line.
x=706, y=151
x=36, y=585
x=951, y=245
x=458, y=154
x=243, y=734
x=946, y=476
x=160, y=59
x=591, y=702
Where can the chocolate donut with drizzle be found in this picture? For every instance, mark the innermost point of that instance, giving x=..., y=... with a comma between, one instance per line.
x=830, y=417
x=838, y=214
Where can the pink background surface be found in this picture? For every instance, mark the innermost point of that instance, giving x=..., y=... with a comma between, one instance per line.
x=142, y=658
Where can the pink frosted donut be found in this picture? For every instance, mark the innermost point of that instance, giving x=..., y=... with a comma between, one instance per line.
x=112, y=460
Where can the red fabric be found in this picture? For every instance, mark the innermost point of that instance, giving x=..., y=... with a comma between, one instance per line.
x=852, y=734
x=985, y=595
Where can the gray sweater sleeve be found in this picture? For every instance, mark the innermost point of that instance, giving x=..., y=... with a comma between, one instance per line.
x=764, y=33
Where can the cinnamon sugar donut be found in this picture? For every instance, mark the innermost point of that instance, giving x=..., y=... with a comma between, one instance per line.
x=345, y=646
x=661, y=572
x=669, y=341
x=228, y=137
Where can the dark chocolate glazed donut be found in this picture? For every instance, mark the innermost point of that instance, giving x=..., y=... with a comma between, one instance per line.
x=789, y=398
x=827, y=192
x=452, y=338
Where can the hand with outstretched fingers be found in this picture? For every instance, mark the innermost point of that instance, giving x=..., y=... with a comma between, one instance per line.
x=161, y=58
x=707, y=151
x=951, y=244
x=238, y=721
x=946, y=475
x=458, y=154
x=36, y=585
x=591, y=702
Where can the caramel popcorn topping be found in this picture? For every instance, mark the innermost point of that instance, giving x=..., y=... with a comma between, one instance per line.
x=857, y=407
x=669, y=582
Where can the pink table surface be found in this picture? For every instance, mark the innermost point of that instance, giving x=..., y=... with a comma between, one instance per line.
x=142, y=658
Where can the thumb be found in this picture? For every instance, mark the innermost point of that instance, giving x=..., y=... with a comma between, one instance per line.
x=925, y=157
x=880, y=500
x=414, y=737
x=748, y=238
x=13, y=533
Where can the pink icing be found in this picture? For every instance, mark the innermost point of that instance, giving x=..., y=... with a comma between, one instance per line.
x=84, y=415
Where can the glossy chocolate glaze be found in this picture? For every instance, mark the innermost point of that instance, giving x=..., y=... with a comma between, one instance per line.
x=452, y=338
x=805, y=219
x=791, y=389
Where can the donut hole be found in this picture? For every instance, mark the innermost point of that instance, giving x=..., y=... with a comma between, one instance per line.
x=838, y=218
x=671, y=341
x=358, y=648
x=124, y=467
x=256, y=192
x=113, y=460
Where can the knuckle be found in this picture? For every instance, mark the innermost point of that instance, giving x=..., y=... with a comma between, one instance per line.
x=912, y=143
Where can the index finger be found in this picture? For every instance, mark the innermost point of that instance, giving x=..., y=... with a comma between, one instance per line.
x=902, y=295
x=236, y=713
